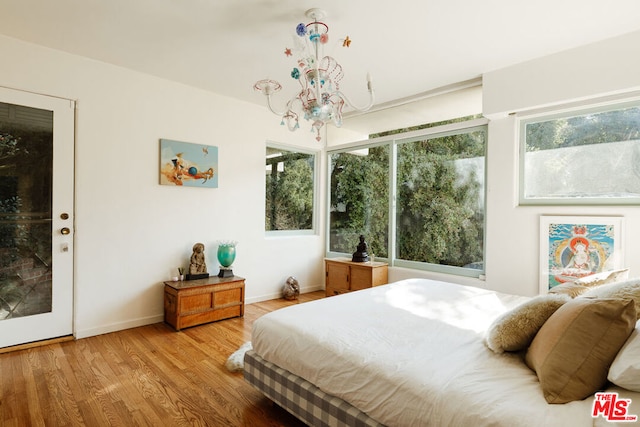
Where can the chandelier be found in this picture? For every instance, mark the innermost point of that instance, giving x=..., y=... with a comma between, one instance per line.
x=319, y=100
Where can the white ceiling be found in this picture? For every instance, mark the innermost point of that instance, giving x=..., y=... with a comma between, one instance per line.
x=408, y=46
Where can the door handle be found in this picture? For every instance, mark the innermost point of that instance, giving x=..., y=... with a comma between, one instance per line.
x=65, y=230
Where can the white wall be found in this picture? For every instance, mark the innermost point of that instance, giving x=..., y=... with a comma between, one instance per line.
x=604, y=68
x=131, y=232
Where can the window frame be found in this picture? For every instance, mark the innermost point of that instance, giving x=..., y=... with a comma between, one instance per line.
x=316, y=190
x=393, y=141
x=568, y=111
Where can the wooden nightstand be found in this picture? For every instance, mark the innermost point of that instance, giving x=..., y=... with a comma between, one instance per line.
x=194, y=302
x=342, y=275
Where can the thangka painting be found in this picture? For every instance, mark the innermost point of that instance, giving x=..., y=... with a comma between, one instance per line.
x=186, y=164
x=575, y=247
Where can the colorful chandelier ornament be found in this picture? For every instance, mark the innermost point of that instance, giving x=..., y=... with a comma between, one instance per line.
x=319, y=100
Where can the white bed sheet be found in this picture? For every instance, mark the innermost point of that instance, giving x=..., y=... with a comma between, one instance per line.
x=412, y=354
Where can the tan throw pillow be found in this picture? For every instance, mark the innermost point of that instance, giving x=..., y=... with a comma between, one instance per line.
x=573, y=350
x=604, y=277
x=571, y=289
x=629, y=289
x=514, y=329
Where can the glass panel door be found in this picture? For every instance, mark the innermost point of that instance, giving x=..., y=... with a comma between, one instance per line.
x=36, y=217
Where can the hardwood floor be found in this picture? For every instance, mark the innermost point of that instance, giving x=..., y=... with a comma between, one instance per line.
x=147, y=376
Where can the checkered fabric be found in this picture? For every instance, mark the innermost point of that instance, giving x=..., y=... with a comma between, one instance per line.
x=301, y=398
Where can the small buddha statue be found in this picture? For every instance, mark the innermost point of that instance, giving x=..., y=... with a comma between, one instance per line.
x=361, y=255
x=198, y=264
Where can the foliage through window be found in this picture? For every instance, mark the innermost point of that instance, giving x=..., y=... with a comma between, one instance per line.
x=439, y=194
x=588, y=156
x=360, y=200
x=25, y=202
x=290, y=182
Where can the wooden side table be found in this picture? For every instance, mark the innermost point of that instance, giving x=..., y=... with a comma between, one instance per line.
x=194, y=302
x=343, y=275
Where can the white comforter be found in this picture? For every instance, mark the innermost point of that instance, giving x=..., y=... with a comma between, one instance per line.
x=412, y=354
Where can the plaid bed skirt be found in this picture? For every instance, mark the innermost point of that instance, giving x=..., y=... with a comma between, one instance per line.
x=301, y=398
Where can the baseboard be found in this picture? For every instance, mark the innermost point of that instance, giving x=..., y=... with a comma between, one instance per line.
x=119, y=326
x=277, y=295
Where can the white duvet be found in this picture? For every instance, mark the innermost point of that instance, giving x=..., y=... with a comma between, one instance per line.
x=412, y=354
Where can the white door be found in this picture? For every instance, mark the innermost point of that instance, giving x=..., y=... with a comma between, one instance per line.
x=36, y=217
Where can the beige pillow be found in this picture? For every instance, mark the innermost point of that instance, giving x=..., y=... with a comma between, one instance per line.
x=573, y=350
x=629, y=289
x=604, y=277
x=571, y=289
x=514, y=329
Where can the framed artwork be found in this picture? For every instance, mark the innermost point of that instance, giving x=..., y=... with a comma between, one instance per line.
x=576, y=246
x=186, y=164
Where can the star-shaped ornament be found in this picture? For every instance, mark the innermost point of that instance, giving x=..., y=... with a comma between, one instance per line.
x=287, y=52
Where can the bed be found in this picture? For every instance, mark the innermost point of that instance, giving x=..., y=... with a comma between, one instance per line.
x=410, y=353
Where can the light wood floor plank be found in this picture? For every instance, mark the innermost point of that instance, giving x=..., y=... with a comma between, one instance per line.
x=147, y=376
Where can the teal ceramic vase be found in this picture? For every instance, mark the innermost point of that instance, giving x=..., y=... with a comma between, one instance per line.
x=226, y=254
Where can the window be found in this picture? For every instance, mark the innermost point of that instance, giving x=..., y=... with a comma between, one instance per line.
x=290, y=190
x=436, y=178
x=359, y=192
x=582, y=157
x=440, y=198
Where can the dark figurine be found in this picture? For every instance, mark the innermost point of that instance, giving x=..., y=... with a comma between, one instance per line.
x=361, y=255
